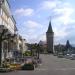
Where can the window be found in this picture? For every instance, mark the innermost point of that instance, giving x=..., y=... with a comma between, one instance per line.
x=0, y=11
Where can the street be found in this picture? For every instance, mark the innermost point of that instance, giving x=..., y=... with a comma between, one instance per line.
x=51, y=65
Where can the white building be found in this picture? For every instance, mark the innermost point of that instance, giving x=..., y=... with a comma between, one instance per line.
x=12, y=41
x=21, y=43
x=7, y=24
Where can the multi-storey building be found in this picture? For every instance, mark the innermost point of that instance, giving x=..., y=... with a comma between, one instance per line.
x=21, y=43
x=10, y=40
x=19, y=48
x=7, y=28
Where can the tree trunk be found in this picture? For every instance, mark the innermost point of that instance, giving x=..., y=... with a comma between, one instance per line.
x=0, y=53
x=38, y=55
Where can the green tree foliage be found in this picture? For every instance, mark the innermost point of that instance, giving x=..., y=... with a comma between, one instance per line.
x=27, y=53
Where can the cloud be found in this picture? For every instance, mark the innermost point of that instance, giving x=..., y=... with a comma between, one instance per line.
x=24, y=12
x=57, y=9
x=42, y=37
x=66, y=14
x=34, y=38
x=60, y=32
x=61, y=13
x=47, y=5
x=32, y=24
x=63, y=22
x=33, y=30
x=50, y=4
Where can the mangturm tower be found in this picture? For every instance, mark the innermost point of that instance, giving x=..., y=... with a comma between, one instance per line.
x=50, y=37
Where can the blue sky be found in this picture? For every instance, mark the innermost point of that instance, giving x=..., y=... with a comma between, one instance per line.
x=33, y=16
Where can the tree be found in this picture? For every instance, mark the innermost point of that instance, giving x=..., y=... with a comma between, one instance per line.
x=38, y=51
x=27, y=53
x=35, y=49
x=3, y=36
x=1, y=40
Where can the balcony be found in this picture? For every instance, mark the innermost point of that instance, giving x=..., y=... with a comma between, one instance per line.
x=2, y=27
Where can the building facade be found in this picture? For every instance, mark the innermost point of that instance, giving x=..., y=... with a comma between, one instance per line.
x=21, y=43
x=50, y=39
x=7, y=29
x=19, y=48
x=11, y=43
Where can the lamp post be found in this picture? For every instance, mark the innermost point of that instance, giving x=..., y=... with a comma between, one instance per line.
x=37, y=50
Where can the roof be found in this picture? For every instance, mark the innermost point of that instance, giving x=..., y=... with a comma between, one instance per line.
x=50, y=28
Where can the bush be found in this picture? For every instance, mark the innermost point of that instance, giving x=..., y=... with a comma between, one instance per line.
x=5, y=66
x=27, y=53
x=28, y=67
x=5, y=69
x=2, y=70
x=15, y=66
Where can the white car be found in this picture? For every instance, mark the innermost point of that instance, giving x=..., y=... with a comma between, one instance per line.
x=72, y=56
x=67, y=56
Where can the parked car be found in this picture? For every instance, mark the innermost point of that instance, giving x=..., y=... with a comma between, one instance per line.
x=67, y=55
x=55, y=54
x=60, y=55
x=72, y=56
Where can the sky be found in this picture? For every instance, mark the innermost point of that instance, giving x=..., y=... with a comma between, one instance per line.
x=33, y=17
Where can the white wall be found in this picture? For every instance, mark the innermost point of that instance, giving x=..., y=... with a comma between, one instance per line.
x=6, y=18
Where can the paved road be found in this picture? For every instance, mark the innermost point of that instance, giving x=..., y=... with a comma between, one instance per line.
x=51, y=66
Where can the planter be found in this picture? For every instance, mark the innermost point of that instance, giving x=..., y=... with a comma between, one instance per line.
x=4, y=70
x=28, y=67
x=15, y=66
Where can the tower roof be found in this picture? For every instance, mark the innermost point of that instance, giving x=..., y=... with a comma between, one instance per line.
x=68, y=44
x=50, y=28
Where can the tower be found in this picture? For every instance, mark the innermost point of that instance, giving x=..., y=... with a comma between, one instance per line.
x=49, y=37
